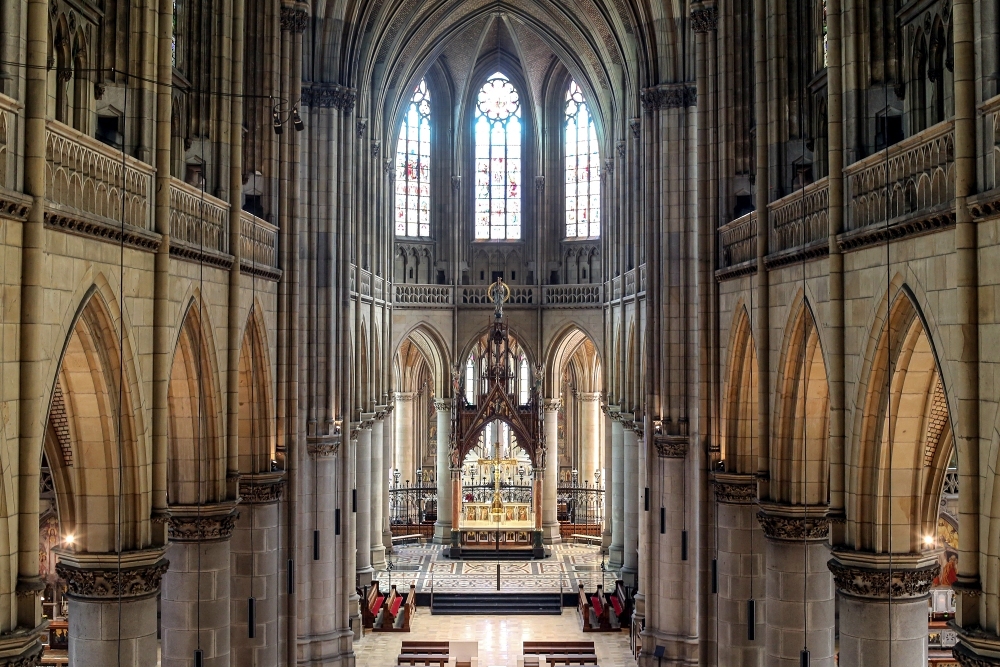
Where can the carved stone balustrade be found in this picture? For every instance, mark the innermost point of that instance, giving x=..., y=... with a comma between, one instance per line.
x=905, y=190
x=199, y=225
x=988, y=203
x=738, y=247
x=799, y=225
x=259, y=247
x=423, y=296
x=94, y=189
x=478, y=295
x=571, y=295
x=8, y=141
x=629, y=283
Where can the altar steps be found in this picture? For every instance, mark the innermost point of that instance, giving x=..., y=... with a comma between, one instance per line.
x=499, y=604
x=494, y=554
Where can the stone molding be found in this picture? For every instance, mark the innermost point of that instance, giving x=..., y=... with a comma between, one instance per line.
x=669, y=96
x=732, y=489
x=329, y=96
x=14, y=205
x=261, y=489
x=967, y=658
x=704, y=19
x=793, y=524
x=205, y=523
x=294, y=18
x=107, y=582
x=635, y=124
x=361, y=125
x=406, y=395
x=588, y=396
x=323, y=445
x=442, y=404
x=24, y=645
x=671, y=446
x=539, y=183
x=867, y=582
x=56, y=217
x=551, y=404
x=976, y=647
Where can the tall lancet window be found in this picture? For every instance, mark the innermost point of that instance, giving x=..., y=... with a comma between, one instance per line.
x=413, y=173
x=470, y=381
x=522, y=382
x=583, y=175
x=498, y=161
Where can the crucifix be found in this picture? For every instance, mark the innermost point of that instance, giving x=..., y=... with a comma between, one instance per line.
x=496, y=508
x=498, y=293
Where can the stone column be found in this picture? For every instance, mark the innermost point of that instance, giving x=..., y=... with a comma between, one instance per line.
x=100, y=626
x=606, y=536
x=590, y=435
x=255, y=569
x=800, y=593
x=378, y=482
x=404, y=440
x=442, y=527
x=550, y=484
x=617, y=488
x=363, y=516
x=874, y=626
x=740, y=571
x=387, y=477
x=633, y=491
x=195, y=598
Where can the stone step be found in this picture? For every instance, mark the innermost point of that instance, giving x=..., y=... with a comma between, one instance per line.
x=514, y=604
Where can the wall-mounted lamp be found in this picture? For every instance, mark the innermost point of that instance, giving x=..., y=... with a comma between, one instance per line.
x=280, y=116
x=658, y=426
x=338, y=424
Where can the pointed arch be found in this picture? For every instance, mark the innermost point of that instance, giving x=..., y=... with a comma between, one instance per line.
x=739, y=426
x=102, y=448
x=433, y=348
x=903, y=433
x=196, y=457
x=799, y=458
x=563, y=348
x=256, y=435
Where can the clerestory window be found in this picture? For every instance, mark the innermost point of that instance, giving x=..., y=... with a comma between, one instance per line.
x=413, y=173
x=583, y=174
x=498, y=138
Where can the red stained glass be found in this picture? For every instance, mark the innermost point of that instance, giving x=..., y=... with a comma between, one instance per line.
x=583, y=178
x=497, y=136
x=413, y=150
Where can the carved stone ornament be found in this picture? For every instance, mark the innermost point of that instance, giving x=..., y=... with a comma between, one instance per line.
x=260, y=492
x=539, y=183
x=669, y=96
x=323, y=445
x=205, y=528
x=704, y=19
x=609, y=165
x=376, y=148
x=794, y=528
x=361, y=125
x=732, y=493
x=671, y=446
x=869, y=583
x=967, y=658
x=30, y=658
x=294, y=19
x=109, y=583
x=621, y=149
x=329, y=96
x=635, y=125
x=456, y=182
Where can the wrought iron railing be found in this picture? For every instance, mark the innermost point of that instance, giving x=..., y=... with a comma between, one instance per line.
x=412, y=504
x=580, y=504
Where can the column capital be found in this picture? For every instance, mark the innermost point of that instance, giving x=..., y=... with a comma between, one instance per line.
x=551, y=404
x=443, y=404
x=868, y=575
x=295, y=16
x=671, y=446
x=976, y=648
x=735, y=489
x=704, y=18
x=794, y=523
x=262, y=489
x=322, y=446
x=98, y=576
x=202, y=523
x=407, y=395
x=589, y=396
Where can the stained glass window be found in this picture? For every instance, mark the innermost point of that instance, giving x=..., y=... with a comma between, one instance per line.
x=413, y=175
x=470, y=381
x=583, y=175
x=498, y=161
x=523, y=394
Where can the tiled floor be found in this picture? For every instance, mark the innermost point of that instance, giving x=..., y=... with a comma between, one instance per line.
x=499, y=638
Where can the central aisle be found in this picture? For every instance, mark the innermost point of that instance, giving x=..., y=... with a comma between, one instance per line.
x=499, y=638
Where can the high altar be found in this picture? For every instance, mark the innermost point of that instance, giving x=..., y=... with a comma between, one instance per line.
x=493, y=522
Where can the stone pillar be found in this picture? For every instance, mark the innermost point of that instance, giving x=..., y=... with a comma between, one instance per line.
x=100, y=626
x=363, y=516
x=195, y=597
x=255, y=569
x=378, y=482
x=617, y=488
x=874, y=626
x=800, y=593
x=633, y=492
x=387, y=478
x=590, y=435
x=442, y=527
x=550, y=485
x=404, y=440
x=606, y=536
x=740, y=571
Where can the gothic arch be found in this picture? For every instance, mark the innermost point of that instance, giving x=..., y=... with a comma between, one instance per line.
x=255, y=401
x=196, y=453
x=561, y=350
x=739, y=424
x=433, y=348
x=902, y=432
x=799, y=458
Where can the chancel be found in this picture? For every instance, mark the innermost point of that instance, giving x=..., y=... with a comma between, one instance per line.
x=366, y=333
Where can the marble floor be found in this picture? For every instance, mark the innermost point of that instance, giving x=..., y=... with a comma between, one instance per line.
x=499, y=638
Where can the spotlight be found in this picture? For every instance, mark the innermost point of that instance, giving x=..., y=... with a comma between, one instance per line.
x=297, y=121
x=69, y=539
x=276, y=122
x=929, y=540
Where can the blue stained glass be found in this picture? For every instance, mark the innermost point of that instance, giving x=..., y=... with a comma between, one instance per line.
x=413, y=151
x=583, y=178
x=497, y=133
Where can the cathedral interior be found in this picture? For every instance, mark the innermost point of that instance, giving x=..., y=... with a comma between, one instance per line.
x=355, y=333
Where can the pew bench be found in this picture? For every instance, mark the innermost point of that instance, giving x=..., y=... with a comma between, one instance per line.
x=406, y=539
x=586, y=539
x=422, y=659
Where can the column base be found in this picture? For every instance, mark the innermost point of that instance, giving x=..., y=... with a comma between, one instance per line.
x=551, y=534
x=630, y=577
x=605, y=541
x=677, y=652
x=378, y=557
x=616, y=557
x=976, y=648
x=363, y=576
x=387, y=540
x=442, y=533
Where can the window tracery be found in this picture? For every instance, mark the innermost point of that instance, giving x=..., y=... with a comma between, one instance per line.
x=583, y=177
x=497, y=134
x=413, y=154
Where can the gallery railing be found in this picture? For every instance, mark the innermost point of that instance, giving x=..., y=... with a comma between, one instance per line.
x=582, y=506
x=738, y=242
x=412, y=509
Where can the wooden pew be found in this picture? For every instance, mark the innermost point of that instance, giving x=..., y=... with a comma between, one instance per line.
x=622, y=605
x=594, y=610
x=372, y=601
x=422, y=659
x=424, y=647
x=562, y=653
x=397, y=612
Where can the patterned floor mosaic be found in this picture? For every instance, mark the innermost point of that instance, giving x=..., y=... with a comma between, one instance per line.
x=426, y=567
x=499, y=638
